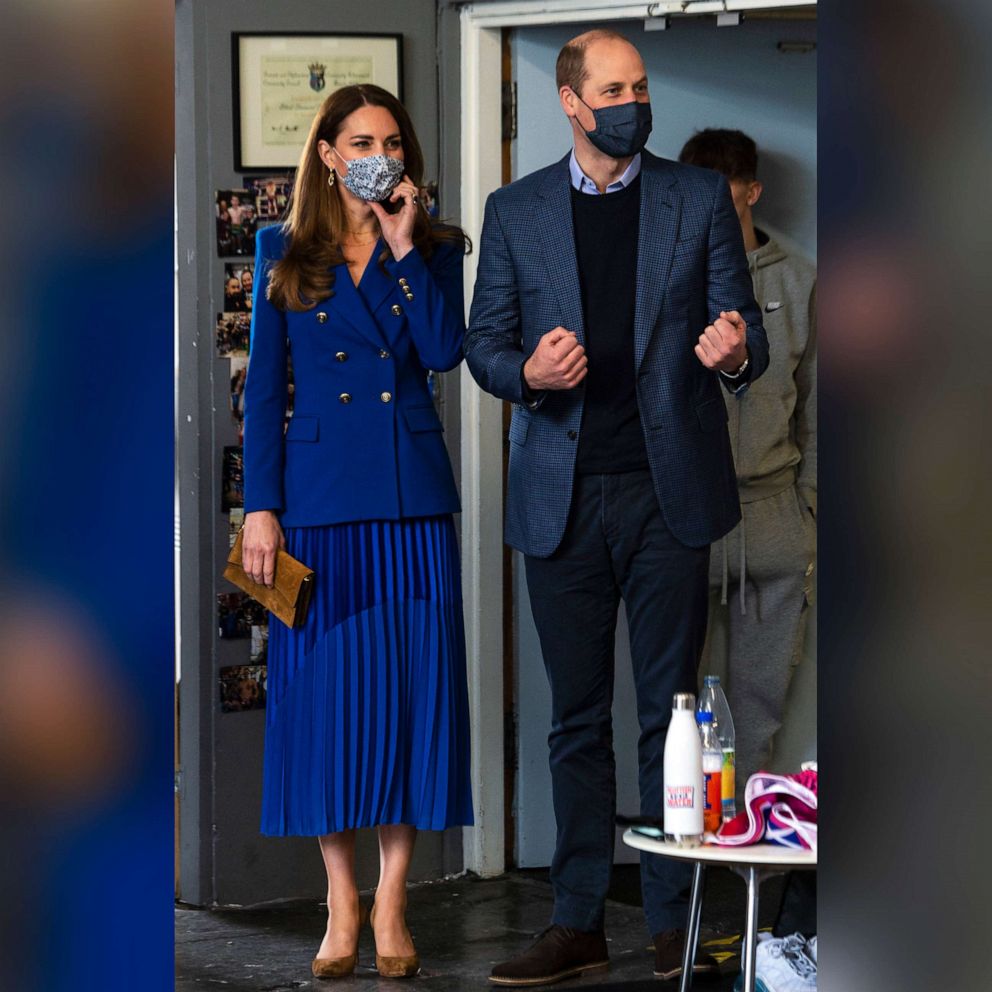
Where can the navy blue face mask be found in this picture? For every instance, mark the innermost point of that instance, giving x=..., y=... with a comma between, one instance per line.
x=621, y=129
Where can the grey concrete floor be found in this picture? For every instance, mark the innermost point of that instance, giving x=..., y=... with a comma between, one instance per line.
x=461, y=926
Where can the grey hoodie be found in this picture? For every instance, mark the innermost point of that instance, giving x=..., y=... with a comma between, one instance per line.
x=773, y=422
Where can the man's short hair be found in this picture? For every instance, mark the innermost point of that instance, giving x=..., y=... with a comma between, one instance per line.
x=570, y=69
x=731, y=152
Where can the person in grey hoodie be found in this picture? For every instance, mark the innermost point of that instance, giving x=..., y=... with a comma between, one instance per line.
x=768, y=559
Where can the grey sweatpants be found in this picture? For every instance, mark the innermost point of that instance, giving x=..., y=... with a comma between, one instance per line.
x=755, y=652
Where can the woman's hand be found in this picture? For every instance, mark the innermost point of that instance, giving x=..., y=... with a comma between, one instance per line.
x=263, y=538
x=397, y=229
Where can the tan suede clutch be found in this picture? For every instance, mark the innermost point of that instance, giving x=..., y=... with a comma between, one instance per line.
x=289, y=595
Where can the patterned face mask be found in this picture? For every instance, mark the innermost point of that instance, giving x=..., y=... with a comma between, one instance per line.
x=373, y=177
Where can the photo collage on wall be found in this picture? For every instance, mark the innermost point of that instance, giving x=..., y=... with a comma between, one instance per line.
x=239, y=212
x=242, y=687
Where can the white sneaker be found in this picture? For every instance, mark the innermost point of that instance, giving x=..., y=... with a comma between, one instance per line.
x=782, y=965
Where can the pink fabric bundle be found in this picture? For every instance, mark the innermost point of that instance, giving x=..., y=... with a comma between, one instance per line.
x=778, y=809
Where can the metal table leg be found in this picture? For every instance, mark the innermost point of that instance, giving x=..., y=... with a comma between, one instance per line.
x=753, y=876
x=692, y=931
x=751, y=928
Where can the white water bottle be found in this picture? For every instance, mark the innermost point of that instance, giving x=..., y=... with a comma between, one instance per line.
x=683, y=775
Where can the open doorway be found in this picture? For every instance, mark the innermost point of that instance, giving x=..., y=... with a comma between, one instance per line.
x=702, y=75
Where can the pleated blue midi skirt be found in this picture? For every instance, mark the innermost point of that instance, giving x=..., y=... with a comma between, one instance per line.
x=367, y=704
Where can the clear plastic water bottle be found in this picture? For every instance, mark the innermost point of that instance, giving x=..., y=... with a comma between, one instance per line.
x=712, y=772
x=712, y=700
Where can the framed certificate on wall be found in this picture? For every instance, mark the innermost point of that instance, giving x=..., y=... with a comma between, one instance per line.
x=280, y=81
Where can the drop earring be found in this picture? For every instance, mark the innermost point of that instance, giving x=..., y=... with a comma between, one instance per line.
x=330, y=176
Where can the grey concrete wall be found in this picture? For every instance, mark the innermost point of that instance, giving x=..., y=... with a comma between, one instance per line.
x=223, y=859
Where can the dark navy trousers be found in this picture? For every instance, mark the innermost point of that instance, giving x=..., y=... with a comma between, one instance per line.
x=616, y=546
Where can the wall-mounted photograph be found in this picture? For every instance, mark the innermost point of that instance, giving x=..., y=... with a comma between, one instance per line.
x=233, y=332
x=235, y=521
x=235, y=212
x=239, y=278
x=259, y=643
x=242, y=687
x=271, y=196
x=239, y=374
x=233, y=491
x=238, y=615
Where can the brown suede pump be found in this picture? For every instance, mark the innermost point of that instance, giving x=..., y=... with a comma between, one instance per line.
x=405, y=966
x=340, y=967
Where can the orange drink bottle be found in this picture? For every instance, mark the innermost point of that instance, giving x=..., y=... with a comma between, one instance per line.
x=712, y=773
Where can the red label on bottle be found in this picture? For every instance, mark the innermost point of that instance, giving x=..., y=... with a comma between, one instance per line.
x=679, y=796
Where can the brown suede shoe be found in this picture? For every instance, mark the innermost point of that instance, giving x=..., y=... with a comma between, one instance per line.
x=557, y=954
x=406, y=966
x=669, y=949
x=340, y=967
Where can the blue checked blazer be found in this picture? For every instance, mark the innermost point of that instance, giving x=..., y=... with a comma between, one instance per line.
x=691, y=265
x=364, y=442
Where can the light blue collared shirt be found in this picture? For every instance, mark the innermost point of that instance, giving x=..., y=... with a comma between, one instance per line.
x=584, y=184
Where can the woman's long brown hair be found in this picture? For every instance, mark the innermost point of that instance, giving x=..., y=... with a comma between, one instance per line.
x=316, y=217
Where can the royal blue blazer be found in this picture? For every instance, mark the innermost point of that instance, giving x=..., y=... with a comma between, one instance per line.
x=691, y=265
x=364, y=442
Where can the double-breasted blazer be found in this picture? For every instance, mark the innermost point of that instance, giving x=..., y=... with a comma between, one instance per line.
x=364, y=441
x=691, y=265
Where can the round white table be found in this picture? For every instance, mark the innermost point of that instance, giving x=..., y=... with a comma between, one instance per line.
x=754, y=863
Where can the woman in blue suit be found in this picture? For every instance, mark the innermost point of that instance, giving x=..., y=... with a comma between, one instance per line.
x=367, y=706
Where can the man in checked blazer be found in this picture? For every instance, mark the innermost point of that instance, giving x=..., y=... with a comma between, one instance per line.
x=612, y=304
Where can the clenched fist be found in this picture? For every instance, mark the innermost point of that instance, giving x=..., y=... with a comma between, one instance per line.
x=558, y=362
x=722, y=346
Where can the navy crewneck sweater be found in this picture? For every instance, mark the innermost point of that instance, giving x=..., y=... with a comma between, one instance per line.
x=606, y=229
